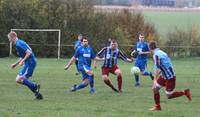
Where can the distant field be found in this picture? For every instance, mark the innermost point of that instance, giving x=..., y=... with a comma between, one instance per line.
x=17, y=101
x=168, y=21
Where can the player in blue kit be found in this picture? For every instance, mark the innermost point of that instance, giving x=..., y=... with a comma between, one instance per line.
x=28, y=60
x=141, y=51
x=85, y=54
x=77, y=45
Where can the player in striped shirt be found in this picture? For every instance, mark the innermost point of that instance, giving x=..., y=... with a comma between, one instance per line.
x=110, y=55
x=164, y=76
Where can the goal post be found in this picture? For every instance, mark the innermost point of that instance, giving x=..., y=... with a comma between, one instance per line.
x=40, y=30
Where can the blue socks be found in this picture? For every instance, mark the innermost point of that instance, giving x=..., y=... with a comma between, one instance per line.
x=145, y=73
x=32, y=86
x=91, y=81
x=80, y=86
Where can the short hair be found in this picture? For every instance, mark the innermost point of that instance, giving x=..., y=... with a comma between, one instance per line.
x=153, y=45
x=12, y=34
x=113, y=41
x=141, y=34
x=84, y=37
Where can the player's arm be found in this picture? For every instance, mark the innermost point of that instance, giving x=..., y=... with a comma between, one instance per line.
x=75, y=46
x=157, y=73
x=98, y=59
x=157, y=70
x=147, y=50
x=101, y=52
x=99, y=56
x=133, y=53
x=72, y=60
x=16, y=63
x=124, y=57
x=28, y=54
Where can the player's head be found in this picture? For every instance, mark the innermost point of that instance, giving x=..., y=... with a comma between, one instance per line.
x=113, y=44
x=80, y=36
x=85, y=41
x=12, y=36
x=152, y=45
x=141, y=37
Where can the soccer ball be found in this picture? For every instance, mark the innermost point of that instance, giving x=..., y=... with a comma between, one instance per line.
x=135, y=70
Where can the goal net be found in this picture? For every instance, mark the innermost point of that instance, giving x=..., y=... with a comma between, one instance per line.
x=41, y=42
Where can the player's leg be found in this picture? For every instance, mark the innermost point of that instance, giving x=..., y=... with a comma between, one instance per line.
x=158, y=83
x=82, y=85
x=84, y=82
x=91, y=80
x=144, y=72
x=117, y=72
x=22, y=78
x=105, y=73
x=137, y=77
x=30, y=71
x=170, y=86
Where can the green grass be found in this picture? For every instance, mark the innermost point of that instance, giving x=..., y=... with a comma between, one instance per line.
x=18, y=101
x=167, y=21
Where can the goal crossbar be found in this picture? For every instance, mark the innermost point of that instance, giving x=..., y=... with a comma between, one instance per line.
x=40, y=30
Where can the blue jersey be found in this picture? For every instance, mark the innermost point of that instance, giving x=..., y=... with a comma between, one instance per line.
x=163, y=62
x=141, y=47
x=22, y=47
x=84, y=55
x=77, y=44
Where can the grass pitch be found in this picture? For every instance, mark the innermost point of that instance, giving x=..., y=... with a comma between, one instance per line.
x=166, y=22
x=18, y=101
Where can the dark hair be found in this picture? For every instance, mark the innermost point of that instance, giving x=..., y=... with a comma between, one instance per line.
x=113, y=41
x=153, y=45
x=142, y=34
x=84, y=37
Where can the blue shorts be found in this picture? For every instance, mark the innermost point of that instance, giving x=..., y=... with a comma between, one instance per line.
x=141, y=65
x=84, y=69
x=28, y=69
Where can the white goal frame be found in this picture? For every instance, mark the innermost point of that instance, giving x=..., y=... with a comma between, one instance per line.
x=40, y=30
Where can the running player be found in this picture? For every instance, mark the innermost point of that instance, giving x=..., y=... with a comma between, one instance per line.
x=110, y=55
x=164, y=76
x=28, y=61
x=141, y=51
x=84, y=54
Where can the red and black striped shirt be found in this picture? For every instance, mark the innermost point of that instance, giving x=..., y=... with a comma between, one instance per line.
x=111, y=56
